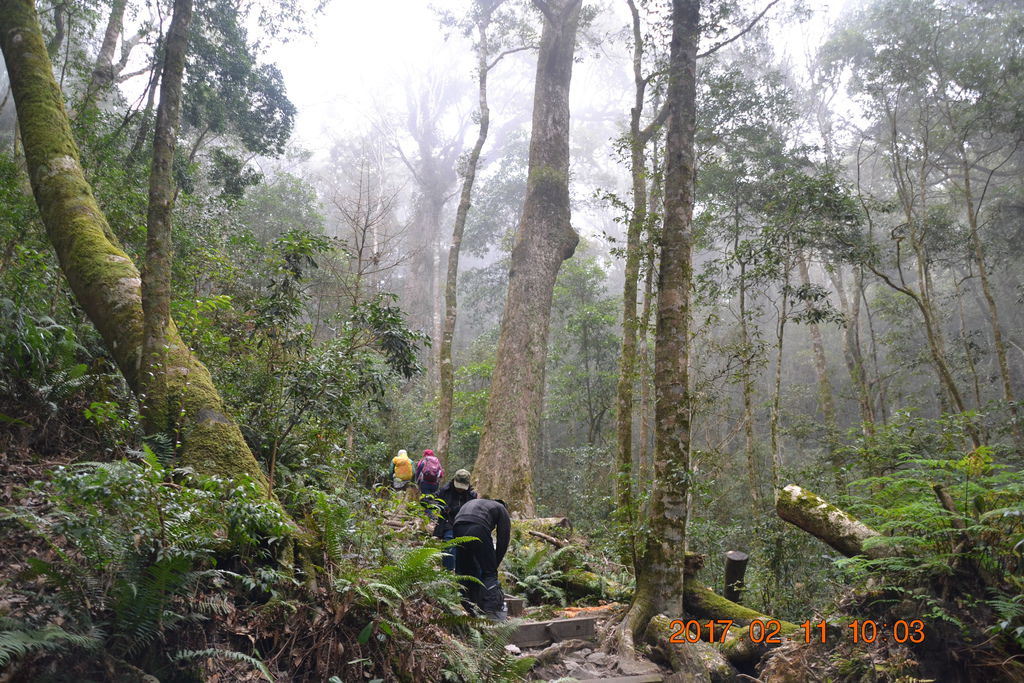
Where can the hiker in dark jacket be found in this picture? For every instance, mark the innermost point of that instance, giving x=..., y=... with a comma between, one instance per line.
x=452, y=497
x=479, y=557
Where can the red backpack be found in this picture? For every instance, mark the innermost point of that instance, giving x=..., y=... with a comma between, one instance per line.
x=431, y=472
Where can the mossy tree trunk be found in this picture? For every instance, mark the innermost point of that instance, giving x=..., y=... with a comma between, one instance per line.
x=639, y=137
x=659, y=572
x=104, y=280
x=157, y=412
x=544, y=239
x=840, y=530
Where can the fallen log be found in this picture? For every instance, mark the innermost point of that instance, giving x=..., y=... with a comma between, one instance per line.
x=701, y=602
x=834, y=527
x=557, y=542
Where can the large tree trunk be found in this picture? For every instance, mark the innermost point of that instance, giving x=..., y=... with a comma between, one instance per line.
x=659, y=573
x=157, y=412
x=104, y=280
x=544, y=239
x=446, y=370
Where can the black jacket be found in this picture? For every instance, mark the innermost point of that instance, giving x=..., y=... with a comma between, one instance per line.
x=453, y=500
x=491, y=515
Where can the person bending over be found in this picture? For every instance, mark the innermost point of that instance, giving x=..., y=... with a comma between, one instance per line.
x=480, y=557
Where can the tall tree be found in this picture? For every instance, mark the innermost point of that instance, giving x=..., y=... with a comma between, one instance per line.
x=659, y=572
x=104, y=280
x=157, y=413
x=483, y=11
x=638, y=138
x=544, y=239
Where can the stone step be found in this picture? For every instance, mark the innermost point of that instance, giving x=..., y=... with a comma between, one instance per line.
x=537, y=633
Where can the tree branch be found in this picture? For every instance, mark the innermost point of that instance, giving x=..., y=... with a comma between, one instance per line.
x=715, y=48
x=509, y=52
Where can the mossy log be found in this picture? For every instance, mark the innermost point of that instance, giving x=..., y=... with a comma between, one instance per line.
x=834, y=527
x=698, y=661
x=703, y=603
x=580, y=584
x=103, y=278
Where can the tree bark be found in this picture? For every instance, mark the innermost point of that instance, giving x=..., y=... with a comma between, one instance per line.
x=157, y=415
x=544, y=239
x=659, y=573
x=104, y=280
x=446, y=387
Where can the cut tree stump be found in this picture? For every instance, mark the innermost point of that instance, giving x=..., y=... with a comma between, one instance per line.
x=735, y=568
x=515, y=606
x=537, y=633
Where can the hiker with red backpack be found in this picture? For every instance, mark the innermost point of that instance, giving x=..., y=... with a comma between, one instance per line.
x=429, y=474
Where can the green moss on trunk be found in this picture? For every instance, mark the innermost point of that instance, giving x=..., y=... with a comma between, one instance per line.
x=104, y=280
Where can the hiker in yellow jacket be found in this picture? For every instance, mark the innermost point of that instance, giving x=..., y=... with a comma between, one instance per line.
x=401, y=474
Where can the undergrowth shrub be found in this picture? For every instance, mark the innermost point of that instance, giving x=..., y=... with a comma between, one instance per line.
x=131, y=558
x=952, y=525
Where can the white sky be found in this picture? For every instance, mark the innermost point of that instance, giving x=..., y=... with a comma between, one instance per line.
x=361, y=55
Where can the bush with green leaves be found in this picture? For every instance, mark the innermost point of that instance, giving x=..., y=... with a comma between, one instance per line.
x=951, y=519
x=536, y=573
x=132, y=556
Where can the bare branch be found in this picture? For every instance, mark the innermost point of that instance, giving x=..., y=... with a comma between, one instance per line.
x=509, y=52
x=715, y=48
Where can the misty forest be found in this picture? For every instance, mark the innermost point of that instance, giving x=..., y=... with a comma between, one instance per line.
x=716, y=306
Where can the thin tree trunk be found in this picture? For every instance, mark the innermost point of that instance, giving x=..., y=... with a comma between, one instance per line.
x=773, y=418
x=103, y=72
x=828, y=406
x=545, y=238
x=881, y=393
x=104, y=280
x=628, y=353
x=655, y=204
x=747, y=383
x=978, y=253
x=659, y=573
x=157, y=414
x=447, y=371
x=851, y=346
x=147, y=114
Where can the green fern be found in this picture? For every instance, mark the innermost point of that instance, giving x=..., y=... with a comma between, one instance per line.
x=234, y=655
x=17, y=641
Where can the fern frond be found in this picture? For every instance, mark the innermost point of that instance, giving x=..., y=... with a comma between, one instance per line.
x=18, y=643
x=192, y=655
